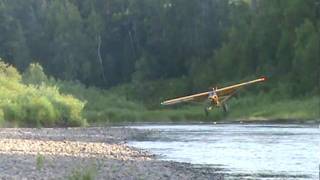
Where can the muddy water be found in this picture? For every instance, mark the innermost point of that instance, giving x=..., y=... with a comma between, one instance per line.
x=246, y=151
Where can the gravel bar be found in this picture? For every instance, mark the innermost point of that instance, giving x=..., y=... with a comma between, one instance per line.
x=63, y=153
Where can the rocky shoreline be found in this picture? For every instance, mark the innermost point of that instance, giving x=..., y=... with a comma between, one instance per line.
x=97, y=152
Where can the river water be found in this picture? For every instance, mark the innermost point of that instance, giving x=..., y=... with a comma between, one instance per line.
x=246, y=151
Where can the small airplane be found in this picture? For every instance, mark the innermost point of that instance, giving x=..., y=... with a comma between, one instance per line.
x=216, y=97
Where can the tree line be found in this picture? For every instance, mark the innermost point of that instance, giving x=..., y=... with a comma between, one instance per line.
x=183, y=46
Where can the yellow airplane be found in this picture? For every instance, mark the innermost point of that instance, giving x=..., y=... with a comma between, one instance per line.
x=217, y=97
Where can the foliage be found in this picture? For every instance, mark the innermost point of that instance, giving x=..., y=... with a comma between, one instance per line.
x=9, y=72
x=34, y=75
x=102, y=105
x=36, y=105
x=137, y=41
x=114, y=106
x=306, y=61
x=264, y=107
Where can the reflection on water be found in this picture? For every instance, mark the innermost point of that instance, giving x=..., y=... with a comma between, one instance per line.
x=246, y=151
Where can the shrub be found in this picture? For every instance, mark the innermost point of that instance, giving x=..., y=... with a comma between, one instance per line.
x=41, y=112
x=36, y=105
x=9, y=71
x=70, y=110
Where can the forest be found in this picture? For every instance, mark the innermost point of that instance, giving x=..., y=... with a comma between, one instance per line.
x=118, y=59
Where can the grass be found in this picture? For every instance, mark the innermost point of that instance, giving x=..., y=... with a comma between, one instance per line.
x=88, y=173
x=251, y=107
x=39, y=161
x=263, y=107
x=103, y=106
x=307, y=108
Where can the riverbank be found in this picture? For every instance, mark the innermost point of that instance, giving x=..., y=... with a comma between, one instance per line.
x=97, y=153
x=250, y=108
x=55, y=103
x=117, y=105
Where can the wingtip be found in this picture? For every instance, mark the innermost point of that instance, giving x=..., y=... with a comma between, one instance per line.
x=264, y=78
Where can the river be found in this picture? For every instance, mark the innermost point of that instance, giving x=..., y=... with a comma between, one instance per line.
x=252, y=151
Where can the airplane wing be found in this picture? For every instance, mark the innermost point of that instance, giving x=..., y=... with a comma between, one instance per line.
x=231, y=89
x=222, y=93
x=195, y=97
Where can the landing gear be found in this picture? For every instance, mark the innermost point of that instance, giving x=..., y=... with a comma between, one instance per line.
x=206, y=110
x=225, y=108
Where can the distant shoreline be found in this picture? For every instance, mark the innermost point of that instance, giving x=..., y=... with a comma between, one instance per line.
x=235, y=121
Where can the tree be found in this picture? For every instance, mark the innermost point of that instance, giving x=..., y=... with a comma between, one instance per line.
x=307, y=58
x=13, y=45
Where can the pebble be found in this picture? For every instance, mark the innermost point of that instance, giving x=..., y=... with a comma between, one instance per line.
x=67, y=150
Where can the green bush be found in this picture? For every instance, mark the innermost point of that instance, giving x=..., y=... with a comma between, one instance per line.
x=102, y=105
x=13, y=112
x=9, y=72
x=36, y=105
x=41, y=112
x=70, y=110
